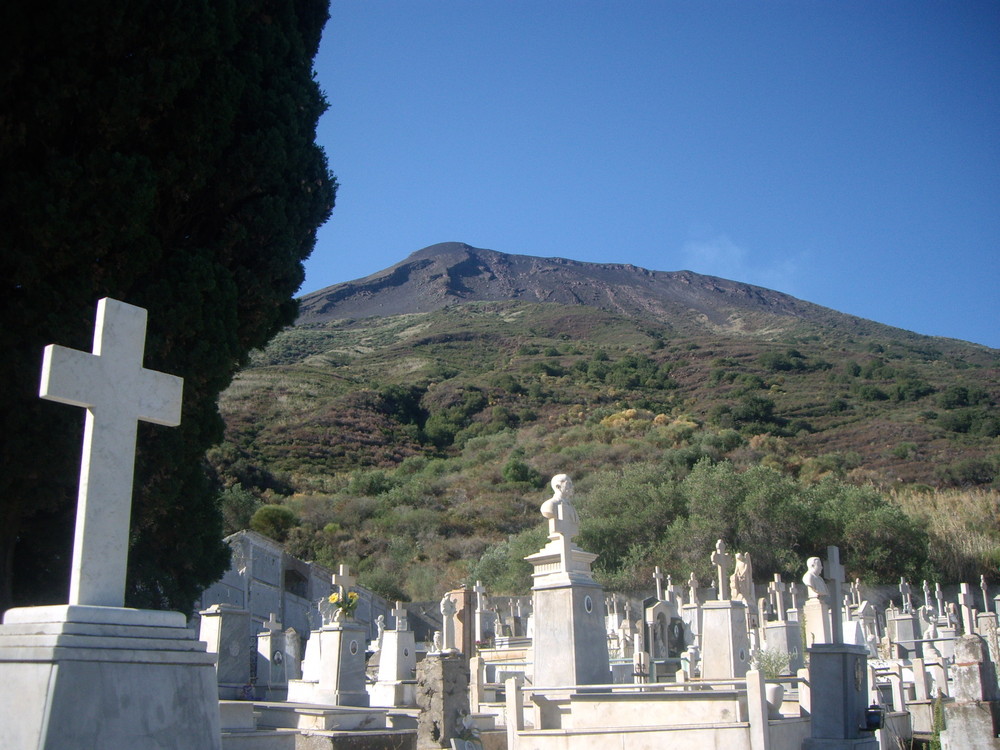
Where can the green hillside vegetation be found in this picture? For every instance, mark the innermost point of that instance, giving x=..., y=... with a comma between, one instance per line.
x=417, y=448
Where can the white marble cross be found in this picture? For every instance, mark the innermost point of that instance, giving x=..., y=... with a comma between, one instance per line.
x=672, y=592
x=480, y=591
x=400, y=614
x=927, y=597
x=343, y=580
x=722, y=562
x=659, y=583
x=835, y=576
x=272, y=625
x=693, y=589
x=904, y=590
x=986, y=593
x=965, y=601
x=117, y=392
x=939, y=595
x=777, y=591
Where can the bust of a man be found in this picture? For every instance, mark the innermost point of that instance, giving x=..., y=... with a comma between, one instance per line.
x=813, y=579
x=559, y=508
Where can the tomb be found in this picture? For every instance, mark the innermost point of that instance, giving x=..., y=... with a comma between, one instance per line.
x=92, y=673
x=570, y=644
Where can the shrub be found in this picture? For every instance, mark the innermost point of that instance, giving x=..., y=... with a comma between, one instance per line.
x=274, y=521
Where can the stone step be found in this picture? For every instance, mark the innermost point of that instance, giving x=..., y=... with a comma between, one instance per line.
x=323, y=718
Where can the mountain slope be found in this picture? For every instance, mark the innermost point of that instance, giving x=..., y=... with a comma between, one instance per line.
x=413, y=444
x=454, y=273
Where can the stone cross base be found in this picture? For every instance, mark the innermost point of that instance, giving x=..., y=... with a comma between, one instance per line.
x=725, y=651
x=570, y=645
x=333, y=671
x=81, y=676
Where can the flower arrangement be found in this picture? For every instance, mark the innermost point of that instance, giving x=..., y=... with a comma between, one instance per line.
x=346, y=604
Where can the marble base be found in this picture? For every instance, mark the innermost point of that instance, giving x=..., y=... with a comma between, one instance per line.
x=838, y=675
x=725, y=651
x=333, y=671
x=80, y=676
x=570, y=644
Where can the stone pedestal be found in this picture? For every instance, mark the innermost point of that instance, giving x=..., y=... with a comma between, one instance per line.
x=277, y=663
x=691, y=614
x=725, y=650
x=86, y=677
x=397, y=664
x=904, y=629
x=570, y=645
x=817, y=621
x=443, y=698
x=838, y=679
x=973, y=718
x=333, y=671
x=225, y=630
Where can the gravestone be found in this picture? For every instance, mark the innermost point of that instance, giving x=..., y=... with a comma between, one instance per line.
x=725, y=641
x=448, y=610
x=396, y=685
x=333, y=670
x=838, y=675
x=570, y=641
x=777, y=591
x=783, y=635
x=92, y=673
x=965, y=602
x=225, y=630
x=722, y=561
x=479, y=624
x=277, y=660
x=972, y=718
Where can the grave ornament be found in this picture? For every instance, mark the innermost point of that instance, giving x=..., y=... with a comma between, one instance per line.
x=722, y=562
x=813, y=579
x=117, y=392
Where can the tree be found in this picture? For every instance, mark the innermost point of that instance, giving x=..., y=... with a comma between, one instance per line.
x=163, y=155
x=274, y=521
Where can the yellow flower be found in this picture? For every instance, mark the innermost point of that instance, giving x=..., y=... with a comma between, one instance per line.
x=334, y=597
x=353, y=596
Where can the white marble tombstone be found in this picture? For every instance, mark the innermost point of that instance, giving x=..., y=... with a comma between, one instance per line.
x=333, y=669
x=276, y=661
x=92, y=673
x=570, y=640
x=725, y=640
x=225, y=629
x=397, y=683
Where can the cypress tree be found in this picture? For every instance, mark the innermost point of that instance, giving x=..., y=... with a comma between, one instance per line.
x=162, y=154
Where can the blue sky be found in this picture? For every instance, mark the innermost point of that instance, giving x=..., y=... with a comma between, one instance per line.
x=846, y=153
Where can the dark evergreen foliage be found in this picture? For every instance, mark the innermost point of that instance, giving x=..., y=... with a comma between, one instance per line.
x=162, y=154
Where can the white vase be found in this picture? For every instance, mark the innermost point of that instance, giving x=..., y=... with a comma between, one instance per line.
x=774, y=693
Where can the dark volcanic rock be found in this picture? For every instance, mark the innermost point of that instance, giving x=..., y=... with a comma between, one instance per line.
x=451, y=273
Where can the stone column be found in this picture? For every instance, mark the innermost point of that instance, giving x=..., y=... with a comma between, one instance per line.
x=570, y=643
x=443, y=698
